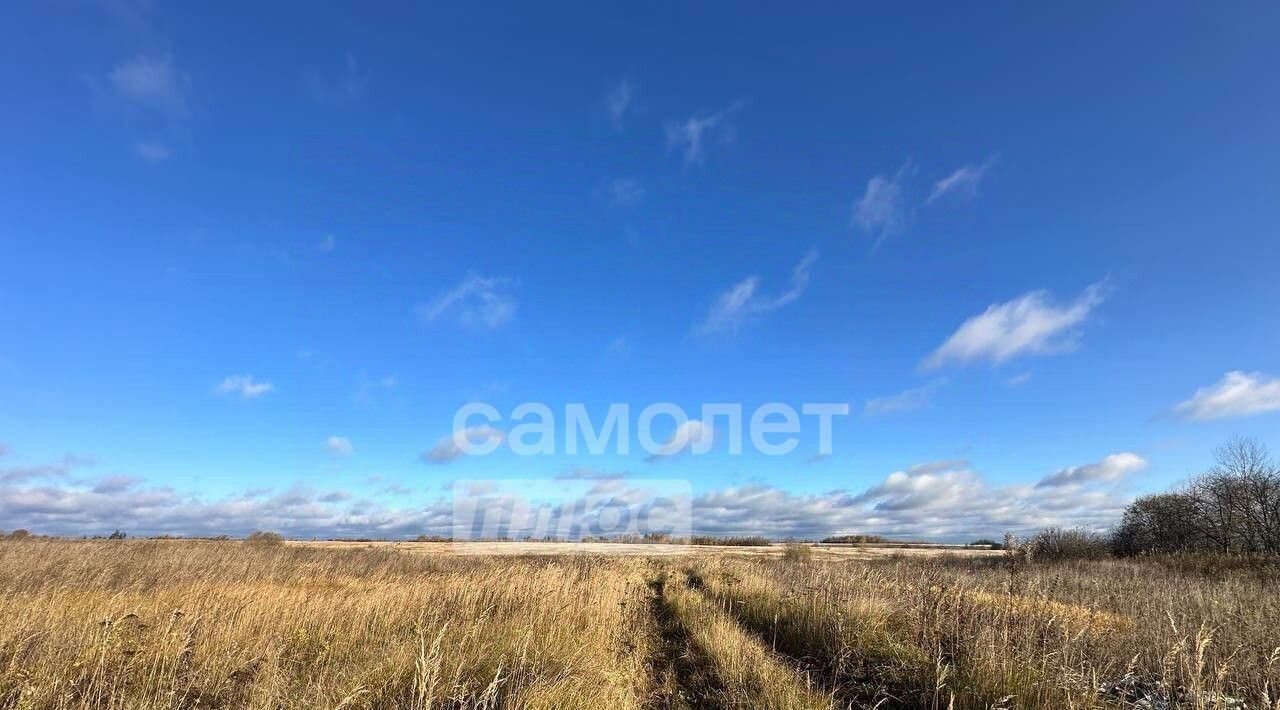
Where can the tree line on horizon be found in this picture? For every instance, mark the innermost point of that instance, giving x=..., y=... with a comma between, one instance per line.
x=1233, y=508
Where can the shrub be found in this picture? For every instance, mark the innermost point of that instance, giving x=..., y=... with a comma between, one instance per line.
x=1053, y=544
x=796, y=552
x=986, y=542
x=262, y=537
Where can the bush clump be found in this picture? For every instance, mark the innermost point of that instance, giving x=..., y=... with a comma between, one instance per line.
x=796, y=552
x=264, y=538
x=1055, y=544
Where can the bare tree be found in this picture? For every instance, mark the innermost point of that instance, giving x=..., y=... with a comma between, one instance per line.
x=1234, y=507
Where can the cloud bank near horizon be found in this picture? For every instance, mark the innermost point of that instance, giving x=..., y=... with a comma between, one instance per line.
x=944, y=500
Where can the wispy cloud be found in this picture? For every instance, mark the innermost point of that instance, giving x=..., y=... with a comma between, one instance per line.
x=339, y=446
x=327, y=243
x=620, y=347
x=152, y=151
x=963, y=183
x=692, y=136
x=1031, y=324
x=742, y=301
x=154, y=94
x=1110, y=468
x=348, y=84
x=1237, y=394
x=449, y=448
x=884, y=208
x=152, y=84
x=905, y=401
x=369, y=390
x=1019, y=379
x=478, y=302
x=591, y=474
x=625, y=192
x=244, y=386
x=618, y=101
x=688, y=435
x=60, y=468
x=115, y=484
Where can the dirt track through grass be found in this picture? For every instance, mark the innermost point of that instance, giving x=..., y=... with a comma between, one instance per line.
x=861, y=671
x=746, y=673
x=680, y=682
x=179, y=624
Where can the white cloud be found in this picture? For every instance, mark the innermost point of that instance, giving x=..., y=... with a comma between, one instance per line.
x=883, y=208
x=152, y=151
x=339, y=446
x=963, y=184
x=689, y=434
x=906, y=401
x=369, y=390
x=1110, y=468
x=151, y=83
x=1028, y=325
x=934, y=486
x=742, y=302
x=1019, y=379
x=626, y=192
x=945, y=500
x=618, y=101
x=478, y=302
x=693, y=135
x=591, y=474
x=620, y=347
x=115, y=484
x=58, y=469
x=244, y=386
x=348, y=84
x=450, y=447
x=1237, y=394
x=298, y=512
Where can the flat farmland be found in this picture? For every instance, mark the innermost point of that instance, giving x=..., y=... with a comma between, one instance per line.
x=521, y=548
x=227, y=624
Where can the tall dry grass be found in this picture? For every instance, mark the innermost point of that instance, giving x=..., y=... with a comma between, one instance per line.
x=225, y=624
x=186, y=624
x=745, y=673
x=971, y=634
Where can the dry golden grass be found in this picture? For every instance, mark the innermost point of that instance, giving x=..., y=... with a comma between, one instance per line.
x=162, y=624
x=945, y=633
x=746, y=674
x=186, y=624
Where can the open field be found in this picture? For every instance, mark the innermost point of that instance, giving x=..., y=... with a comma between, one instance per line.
x=635, y=549
x=185, y=624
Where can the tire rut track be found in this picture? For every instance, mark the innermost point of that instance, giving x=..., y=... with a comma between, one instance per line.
x=853, y=687
x=682, y=680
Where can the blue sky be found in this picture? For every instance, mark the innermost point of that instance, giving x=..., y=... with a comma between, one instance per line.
x=250, y=265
